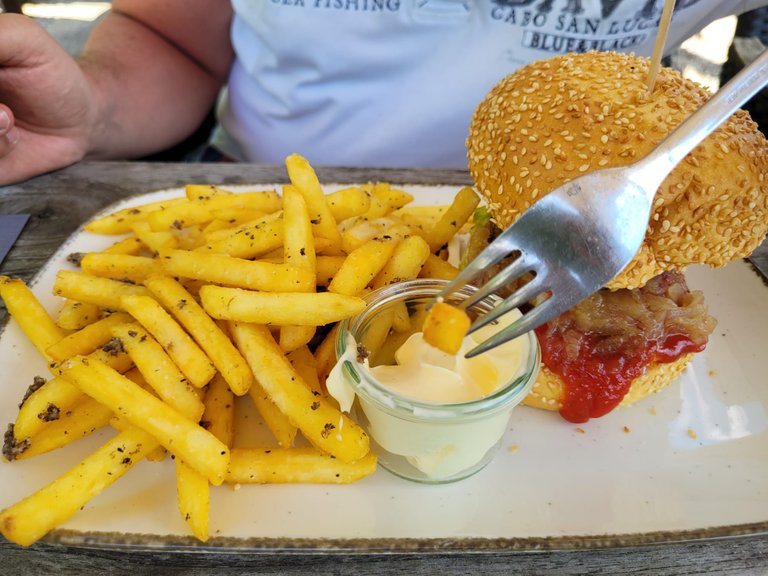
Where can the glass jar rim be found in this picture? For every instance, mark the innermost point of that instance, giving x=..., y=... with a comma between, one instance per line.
x=368, y=387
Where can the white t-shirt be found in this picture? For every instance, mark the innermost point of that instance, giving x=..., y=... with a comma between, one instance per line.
x=395, y=82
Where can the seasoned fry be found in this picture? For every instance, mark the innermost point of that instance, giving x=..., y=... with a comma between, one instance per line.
x=33, y=517
x=29, y=313
x=154, y=241
x=278, y=308
x=159, y=371
x=83, y=418
x=203, y=191
x=348, y=203
x=325, y=354
x=277, y=422
x=327, y=268
x=457, y=214
x=436, y=267
x=238, y=272
x=291, y=465
x=305, y=180
x=250, y=240
x=87, y=339
x=52, y=397
x=204, y=330
x=320, y=422
x=219, y=415
x=121, y=221
x=362, y=265
x=74, y=315
x=119, y=266
x=385, y=199
x=186, y=354
x=445, y=327
x=194, y=499
x=201, y=209
x=305, y=364
x=104, y=292
x=405, y=264
x=131, y=245
x=420, y=218
x=299, y=250
x=185, y=439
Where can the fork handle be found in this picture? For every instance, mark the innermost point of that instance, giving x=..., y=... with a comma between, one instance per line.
x=689, y=134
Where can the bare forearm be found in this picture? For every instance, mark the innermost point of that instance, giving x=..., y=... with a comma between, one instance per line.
x=151, y=88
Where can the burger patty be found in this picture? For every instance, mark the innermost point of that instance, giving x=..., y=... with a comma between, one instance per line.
x=606, y=341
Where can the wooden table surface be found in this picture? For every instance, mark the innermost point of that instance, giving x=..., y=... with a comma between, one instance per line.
x=60, y=202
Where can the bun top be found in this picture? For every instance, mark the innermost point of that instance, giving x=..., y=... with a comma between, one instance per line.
x=555, y=119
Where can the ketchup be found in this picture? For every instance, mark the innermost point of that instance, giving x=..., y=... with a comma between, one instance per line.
x=596, y=383
x=600, y=347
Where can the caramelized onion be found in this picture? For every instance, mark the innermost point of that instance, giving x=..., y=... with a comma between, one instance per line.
x=606, y=341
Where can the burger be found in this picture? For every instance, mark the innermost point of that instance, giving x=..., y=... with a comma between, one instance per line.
x=556, y=119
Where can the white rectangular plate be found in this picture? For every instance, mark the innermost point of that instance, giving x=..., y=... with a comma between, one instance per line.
x=690, y=460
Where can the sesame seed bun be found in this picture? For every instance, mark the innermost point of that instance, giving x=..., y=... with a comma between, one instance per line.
x=555, y=119
x=549, y=389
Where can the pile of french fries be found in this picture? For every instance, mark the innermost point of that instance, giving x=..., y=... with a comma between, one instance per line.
x=207, y=300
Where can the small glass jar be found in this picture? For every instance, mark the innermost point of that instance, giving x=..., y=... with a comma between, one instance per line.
x=423, y=441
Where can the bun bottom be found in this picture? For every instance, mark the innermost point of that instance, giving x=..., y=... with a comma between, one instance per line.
x=549, y=389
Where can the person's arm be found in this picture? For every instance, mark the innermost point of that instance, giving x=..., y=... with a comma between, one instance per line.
x=149, y=73
x=155, y=68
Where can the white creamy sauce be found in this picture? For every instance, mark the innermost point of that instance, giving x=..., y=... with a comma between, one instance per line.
x=439, y=446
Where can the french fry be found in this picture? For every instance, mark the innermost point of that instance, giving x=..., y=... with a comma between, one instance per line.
x=348, y=203
x=131, y=245
x=305, y=364
x=159, y=371
x=445, y=327
x=249, y=241
x=194, y=499
x=119, y=266
x=303, y=177
x=361, y=231
x=204, y=330
x=278, y=308
x=457, y=214
x=84, y=417
x=186, y=354
x=436, y=267
x=362, y=265
x=385, y=199
x=405, y=264
x=299, y=243
x=33, y=517
x=154, y=241
x=121, y=221
x=325, y=354
x=320, y=422
x=420, y=218
x=29, y=313
x=327, y=268
x=87, y=339
x=121, y=424
x=203, y=191
x=291, y=465
x=54, y=396
x=74, y=315
x=104, y=292
x=183, y=438
x=229, y=271
x=200, y=210
x=299, y=250
x=219, y=415
x=277, y=422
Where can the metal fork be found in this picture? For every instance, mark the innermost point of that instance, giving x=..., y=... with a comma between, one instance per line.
x=581, y=235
